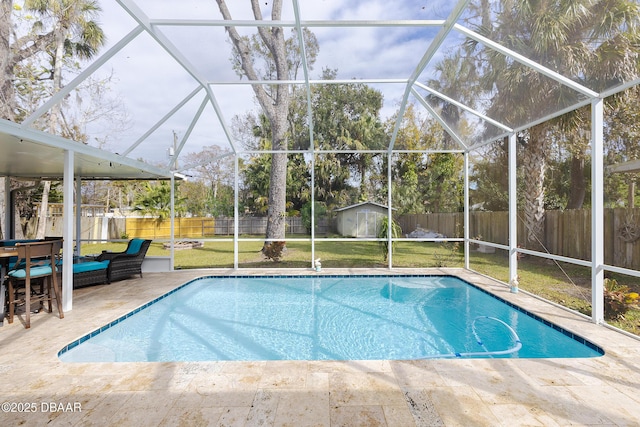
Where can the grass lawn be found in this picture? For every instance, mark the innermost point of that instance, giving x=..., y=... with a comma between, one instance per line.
x=298, y=254
x=566, y=284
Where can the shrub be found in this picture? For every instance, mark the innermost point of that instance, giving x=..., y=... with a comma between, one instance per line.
x=305, y=213
x=383, y=231
x=449, y=256
x=618, y=299
x=274, y=250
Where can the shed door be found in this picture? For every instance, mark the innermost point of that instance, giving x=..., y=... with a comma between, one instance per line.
x=366, y=223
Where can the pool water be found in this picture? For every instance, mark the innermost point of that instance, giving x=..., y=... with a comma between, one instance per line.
x=326, y=318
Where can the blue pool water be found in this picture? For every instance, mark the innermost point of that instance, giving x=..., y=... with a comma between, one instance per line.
x=326, y=318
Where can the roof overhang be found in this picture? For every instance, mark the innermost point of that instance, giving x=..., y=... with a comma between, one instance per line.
x=32, y=154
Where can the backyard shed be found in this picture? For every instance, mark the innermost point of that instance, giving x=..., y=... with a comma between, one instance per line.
x=360, y=220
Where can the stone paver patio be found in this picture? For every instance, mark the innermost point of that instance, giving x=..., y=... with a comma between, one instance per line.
x=603, y=391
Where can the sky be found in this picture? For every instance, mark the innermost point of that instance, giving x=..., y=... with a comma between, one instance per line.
x=149, y=83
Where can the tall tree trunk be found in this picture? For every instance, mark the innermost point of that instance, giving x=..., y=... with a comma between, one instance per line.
x=275, y=106
x=578, y=189
x=535, y=165
x=278, y=181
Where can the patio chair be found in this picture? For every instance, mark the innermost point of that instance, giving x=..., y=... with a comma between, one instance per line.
x=90, y=273
x=37, y=261
x=128, y=263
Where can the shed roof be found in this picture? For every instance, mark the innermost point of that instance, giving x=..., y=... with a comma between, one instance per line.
x=357, y=205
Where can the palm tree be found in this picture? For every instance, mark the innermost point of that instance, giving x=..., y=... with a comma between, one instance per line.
x=593, y=44
x=155, y=201
x=458, y=79
x=76, y=34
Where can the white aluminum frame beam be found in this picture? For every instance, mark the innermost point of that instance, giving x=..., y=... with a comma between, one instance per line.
x=439, y=119
x=6, y=230
x=464, y=107
x=533, y=123
x=527, y=62
x=136, y=13
x=172, y=224
x=68, y=87
x=246, y=82
x=236, y=211
x=513, y=214
x=305, y=71
x=437, y=41
x=597, y=211
x=162, y=120
x=466, y=215
x=185, y=137
x=67, y=231
x=302, y=23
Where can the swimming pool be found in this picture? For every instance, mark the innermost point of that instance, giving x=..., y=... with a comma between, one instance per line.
x=326, y=318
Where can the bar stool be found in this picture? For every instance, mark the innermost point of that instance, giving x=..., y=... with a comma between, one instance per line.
x=36, y=261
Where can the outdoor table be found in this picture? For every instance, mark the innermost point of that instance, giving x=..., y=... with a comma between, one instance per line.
x=5, y=254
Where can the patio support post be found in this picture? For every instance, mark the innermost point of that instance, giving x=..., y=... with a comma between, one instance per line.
x=313, y=208
x=597, y=211
x=466, y=209
x=389, y=213
x=67, y=231
x=172, y=228
x=513, y=216
x=8, y=209
x=236, y=220
x=78, y=216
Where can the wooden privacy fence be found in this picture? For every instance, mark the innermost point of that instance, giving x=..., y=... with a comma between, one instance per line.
x=566, y=233
x=449, y=224
x=256, y=225
x=150, y=228
x=105, y=228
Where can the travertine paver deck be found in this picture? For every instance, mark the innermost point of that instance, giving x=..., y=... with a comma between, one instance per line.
x=505, y=392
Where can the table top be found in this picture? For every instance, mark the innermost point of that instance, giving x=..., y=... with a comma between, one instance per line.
x=8, y=251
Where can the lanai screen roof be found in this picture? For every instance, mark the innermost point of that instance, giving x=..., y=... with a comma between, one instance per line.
x=170, y=65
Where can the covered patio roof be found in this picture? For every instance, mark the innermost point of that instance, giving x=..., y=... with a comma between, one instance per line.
x=32, y=154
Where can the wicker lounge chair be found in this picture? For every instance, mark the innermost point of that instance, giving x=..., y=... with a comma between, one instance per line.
x=90, y=273
x=128, y=263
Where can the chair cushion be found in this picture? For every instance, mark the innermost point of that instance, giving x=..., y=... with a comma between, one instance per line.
x=43, y=270
x=90, y=266
x=134, y=246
